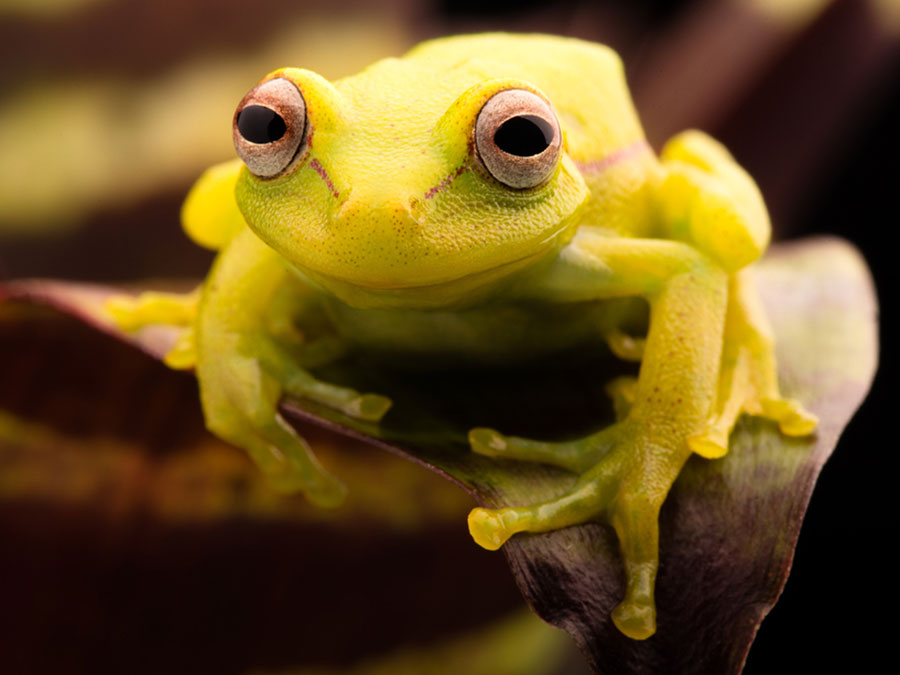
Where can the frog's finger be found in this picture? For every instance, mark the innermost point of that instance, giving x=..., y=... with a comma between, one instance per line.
x=296, y=381
x=490, y=528
x=491, y=443
x=369, y=407
x=626, y=347
x=130, y=313
x=635, y=517
x=622, y=391
x=183, y=354
x=574, y=456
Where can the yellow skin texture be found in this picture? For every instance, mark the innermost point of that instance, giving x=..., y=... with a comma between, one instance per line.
x=390, y=222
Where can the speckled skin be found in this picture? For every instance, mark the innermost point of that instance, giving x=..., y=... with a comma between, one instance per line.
x=389, y=222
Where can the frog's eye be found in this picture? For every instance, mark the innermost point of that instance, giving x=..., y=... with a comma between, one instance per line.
x=269, y=126
x=518, y=139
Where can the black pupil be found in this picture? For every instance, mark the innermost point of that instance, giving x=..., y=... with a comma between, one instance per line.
x=259, y=124
x=524, y=136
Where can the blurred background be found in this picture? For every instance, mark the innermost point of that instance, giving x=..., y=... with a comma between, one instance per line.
x=109, y=109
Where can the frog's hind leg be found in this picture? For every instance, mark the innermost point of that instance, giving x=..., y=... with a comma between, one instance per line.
x=748, y=379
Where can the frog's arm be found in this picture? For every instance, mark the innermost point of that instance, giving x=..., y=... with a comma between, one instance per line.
x=685, y=386
x=211, y=218
x=627, y=469
x=244, y=369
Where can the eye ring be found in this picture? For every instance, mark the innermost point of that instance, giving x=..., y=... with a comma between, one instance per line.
x=269, y=127
x=518, y=139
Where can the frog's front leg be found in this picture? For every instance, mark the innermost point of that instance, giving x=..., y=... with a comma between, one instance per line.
x=627, y=470
x=244, y=368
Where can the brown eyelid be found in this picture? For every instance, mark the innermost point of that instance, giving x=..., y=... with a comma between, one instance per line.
x=513, y=170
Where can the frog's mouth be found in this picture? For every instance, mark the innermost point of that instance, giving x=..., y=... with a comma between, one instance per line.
x=450, y=293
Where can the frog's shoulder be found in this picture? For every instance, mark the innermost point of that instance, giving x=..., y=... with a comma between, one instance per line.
x=585, y=81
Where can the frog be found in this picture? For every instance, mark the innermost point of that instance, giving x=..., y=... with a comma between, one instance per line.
x=417, y=208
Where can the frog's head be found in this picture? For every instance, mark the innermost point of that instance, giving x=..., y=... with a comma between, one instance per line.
x=392, y=189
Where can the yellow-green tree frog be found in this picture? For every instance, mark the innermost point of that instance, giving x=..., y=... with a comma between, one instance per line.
x=423, y=200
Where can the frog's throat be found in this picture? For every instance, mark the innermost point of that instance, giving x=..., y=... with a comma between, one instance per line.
x=464, y=291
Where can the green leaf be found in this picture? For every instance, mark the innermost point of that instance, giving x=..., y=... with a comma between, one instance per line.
x=728, y=528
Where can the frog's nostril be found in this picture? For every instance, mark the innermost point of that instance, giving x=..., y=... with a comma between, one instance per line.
x=360, y=208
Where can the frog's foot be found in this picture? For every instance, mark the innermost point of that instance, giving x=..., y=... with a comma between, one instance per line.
x=625, y=483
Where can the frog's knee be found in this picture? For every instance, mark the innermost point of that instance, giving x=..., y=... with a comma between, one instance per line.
x=710, y=200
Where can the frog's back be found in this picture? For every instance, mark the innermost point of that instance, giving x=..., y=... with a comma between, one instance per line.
x=584, y=80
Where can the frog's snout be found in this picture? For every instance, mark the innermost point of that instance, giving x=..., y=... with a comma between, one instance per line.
x=390, y=216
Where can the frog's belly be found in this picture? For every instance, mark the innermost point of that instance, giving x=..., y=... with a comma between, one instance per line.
x=492, y=334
